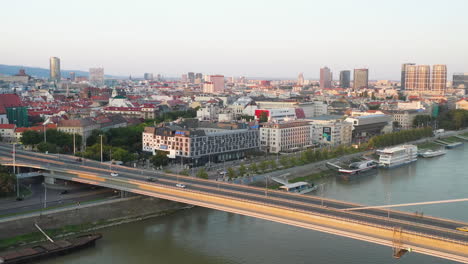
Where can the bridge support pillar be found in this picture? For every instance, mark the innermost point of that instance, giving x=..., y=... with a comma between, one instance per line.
x=49, y=180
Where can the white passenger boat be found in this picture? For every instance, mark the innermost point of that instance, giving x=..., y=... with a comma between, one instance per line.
x=299, y=187
x=398, y=156
x=432, y=153
x=359, y=167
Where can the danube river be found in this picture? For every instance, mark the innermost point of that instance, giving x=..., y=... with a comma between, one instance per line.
x=207, y=236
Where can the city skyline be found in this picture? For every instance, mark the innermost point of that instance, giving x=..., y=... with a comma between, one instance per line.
x=133, y=40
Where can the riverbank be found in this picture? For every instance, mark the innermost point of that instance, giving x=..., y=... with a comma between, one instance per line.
x=20, y=230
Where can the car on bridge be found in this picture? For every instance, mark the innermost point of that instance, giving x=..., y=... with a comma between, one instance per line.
x=180, y=185
x=463, y=228
x=114, y=174
x=151, y=179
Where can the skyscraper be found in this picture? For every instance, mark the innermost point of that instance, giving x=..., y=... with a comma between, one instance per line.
x=300, y=79
x=55, y=69
x=345, y=79
x=191, y=77
x=72, y=76
x=411, y=72
x=96, y=75
x=361, y=78
x=460, y=80
x=215, y=84
x=439, y=78
x=403, y=74
x=148, y=76
x=325, y=78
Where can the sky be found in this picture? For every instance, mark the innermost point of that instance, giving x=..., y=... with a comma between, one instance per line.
x=256, y=38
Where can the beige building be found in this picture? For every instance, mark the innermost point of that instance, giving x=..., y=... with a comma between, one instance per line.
x=405, y=118
x=462, y=104
x=82, y=127
x=329, y=130
x=285, y=136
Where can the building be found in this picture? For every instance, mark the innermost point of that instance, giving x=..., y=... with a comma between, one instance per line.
x=191, y=77
x=148, y=76
x=286, y=136
x=72, y=76
x=460, y=81
x=345, y=79
x=83, y=127
x=300, y=79
x=439, y=79
x=96, y=75
x=361, y=78
x=403, y=119
x=278, y=114
x=462, y=104
x=368, y=125
x=12, y=110
x=215, y=84
x=311, y=109
x=7, y=132
x=55, y=74
x=403, y=74
x=325, y=78
x=20, y=77
x=330, y=130
x=198, y=143
x=417, y=78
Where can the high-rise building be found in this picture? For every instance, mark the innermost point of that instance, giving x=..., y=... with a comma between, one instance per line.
x=345, y=79
x=361, y=78
x=300, y=79
x=72, y=76
x=55, y=69
x=191, y=77
x=418, y=78
x=148, y=76
x=439, y=78
x=96, y=75
x=403, y=74
x=184, y=78
x=325, y=78
x=460, y=80
x=214, y=85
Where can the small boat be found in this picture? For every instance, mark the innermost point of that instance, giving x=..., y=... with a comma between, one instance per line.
x=48, y=249
x=453, y=145
x=432, y=153
x=359, y=167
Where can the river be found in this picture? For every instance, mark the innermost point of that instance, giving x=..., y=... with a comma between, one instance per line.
x=207, y=236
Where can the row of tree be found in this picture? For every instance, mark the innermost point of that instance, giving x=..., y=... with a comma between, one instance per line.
x=399, y=137
x=53, y=141
x=453, y=119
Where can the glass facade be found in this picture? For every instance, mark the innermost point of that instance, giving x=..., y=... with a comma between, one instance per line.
x=345, y=79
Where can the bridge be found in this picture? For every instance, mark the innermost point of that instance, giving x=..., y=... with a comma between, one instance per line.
x=399, y=230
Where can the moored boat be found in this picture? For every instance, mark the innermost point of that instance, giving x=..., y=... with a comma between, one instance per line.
x=48, y=249
x=432, y=153
x=398, y=156
x=454, y=145
x=359, y=167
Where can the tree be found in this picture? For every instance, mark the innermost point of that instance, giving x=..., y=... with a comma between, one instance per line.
x=263, y=166
x=231, y=173
x=273, y=164
x=253, y=168
x=160, y=159
x=7, y=181
x=201, y=173
x=31, y=138
x=242, y=170
x=284, y=161
x=185, y=172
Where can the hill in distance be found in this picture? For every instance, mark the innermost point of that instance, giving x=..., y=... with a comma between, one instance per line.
x=40, y=72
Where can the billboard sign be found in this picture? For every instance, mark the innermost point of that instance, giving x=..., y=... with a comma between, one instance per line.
x=327, y=133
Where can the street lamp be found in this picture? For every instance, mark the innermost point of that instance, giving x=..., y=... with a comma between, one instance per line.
x=101, y=148
x=14, y=171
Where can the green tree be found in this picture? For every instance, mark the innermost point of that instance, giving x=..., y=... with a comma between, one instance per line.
x=284, y=161
x=231, y=173
x=185, y=172
x=7, y=181
x=263, y=117
x=160, y=159
x=253, y=167
x=201, y=173
x=273, y=165
x=263, y=166
x=31, y=138
x=242, y=170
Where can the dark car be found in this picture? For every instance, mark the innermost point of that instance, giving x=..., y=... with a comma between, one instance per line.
x=151, y=179
x=64, y=192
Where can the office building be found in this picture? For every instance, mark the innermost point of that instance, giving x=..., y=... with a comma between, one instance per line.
x=214, y=85
x=361, y=78
x=72, y=76
x=300, y=79
x=55, y=69
x=191, y=77
x=198, y=143
x=403, y=74
x=325, y=78
x=286, y=136
x=330, y=130
x=460, y=80
x=96, y=75
x=148, y=76
x=345, y=79
x=439, y=79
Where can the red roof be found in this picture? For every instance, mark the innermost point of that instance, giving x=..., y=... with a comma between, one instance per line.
x=7, y=126
x=9, y=100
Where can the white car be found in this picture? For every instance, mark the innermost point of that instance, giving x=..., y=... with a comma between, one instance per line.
x=114, y=174
x=180, y=185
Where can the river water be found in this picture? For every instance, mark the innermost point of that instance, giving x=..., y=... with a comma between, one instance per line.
x=207, y=236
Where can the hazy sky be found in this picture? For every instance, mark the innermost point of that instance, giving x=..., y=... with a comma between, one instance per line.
x=264, y=38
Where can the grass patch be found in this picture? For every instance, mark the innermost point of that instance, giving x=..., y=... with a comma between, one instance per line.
x=429, y=145
x=452, y=139
x=314, y=176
